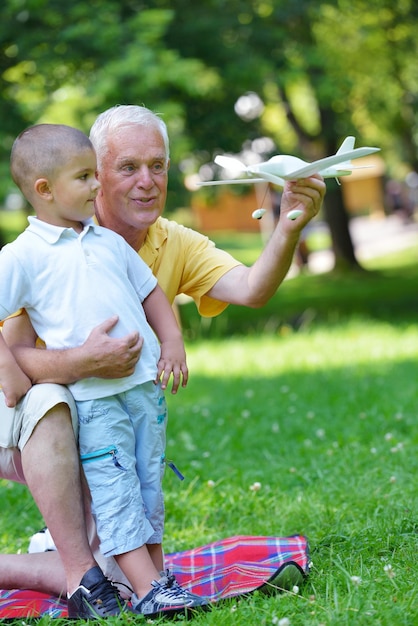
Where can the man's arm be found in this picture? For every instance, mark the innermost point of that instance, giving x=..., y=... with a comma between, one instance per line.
x=100, y=355
x=254, y=286
x=14, y=381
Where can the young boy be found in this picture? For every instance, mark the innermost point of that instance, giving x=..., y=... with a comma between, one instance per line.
x=70, y=275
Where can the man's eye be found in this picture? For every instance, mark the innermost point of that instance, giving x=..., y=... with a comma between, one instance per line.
x=128, y=168
x=157, y=168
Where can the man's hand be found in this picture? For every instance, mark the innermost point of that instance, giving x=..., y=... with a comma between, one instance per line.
x=110, y=357
x=100, y=355
x=254, y=286
x=305, y=195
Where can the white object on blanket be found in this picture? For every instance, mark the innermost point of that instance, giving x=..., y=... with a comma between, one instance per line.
x=41, y=542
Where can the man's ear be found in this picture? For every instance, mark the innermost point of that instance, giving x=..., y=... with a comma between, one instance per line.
x=42, y=188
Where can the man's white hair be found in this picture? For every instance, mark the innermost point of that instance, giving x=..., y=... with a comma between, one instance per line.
x=108, y=122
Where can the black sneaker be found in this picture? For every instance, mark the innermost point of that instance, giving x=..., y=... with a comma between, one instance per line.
x=167, y=597
x=95, y=597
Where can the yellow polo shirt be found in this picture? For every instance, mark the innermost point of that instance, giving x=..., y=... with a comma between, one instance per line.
x=185, y=261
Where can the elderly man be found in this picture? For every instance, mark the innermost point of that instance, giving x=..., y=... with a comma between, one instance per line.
x=133, y=161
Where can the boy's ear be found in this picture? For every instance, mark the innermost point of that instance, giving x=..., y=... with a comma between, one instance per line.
x=42, y=187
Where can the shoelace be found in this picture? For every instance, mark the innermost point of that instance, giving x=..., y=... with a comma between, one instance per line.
x=104, y=594
x=169, y=589
x=172, y=582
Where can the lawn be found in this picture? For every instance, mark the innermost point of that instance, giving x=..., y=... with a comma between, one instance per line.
x=315, y=399
x=324, y=421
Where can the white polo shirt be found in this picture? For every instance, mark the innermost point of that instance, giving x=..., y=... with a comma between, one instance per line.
x=69, y=283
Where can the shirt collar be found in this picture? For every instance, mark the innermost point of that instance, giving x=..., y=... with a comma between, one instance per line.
x=156, y=235
x=51, y=234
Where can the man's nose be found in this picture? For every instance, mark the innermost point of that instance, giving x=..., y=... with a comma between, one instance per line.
x=144, y=177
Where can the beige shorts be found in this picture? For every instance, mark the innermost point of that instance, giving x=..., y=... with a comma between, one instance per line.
x=18, y=424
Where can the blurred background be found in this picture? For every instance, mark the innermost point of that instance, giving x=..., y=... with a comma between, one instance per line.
x=252, y=78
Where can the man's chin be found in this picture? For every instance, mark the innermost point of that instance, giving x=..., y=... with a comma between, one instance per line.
x=145, y=219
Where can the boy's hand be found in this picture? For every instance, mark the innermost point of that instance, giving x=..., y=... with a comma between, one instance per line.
x=173, y=361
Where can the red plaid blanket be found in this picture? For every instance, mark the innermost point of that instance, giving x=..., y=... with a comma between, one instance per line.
x=223, y=569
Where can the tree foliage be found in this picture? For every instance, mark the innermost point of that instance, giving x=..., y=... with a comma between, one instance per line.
x=305, y=74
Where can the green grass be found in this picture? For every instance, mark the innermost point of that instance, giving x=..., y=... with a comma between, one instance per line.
x=378, y=294
x=317, y=401
x=384, y=290
x=325, y=420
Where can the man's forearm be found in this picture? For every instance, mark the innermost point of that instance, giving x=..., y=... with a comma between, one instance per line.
x=52, y=366
x=271, y=268
x=254, y=286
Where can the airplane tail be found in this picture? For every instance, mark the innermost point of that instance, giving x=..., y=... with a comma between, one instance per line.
x=346, y=146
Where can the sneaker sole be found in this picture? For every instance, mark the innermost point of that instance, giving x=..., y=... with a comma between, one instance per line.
x=187, y=611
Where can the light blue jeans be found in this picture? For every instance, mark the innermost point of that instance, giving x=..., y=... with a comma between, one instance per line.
x=122, y=446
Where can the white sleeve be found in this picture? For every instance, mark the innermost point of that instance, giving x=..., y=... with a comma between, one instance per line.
x=14, y=284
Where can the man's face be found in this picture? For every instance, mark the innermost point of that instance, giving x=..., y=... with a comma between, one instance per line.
x=133, y=178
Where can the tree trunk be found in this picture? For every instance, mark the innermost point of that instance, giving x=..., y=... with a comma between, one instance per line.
x=338, y=221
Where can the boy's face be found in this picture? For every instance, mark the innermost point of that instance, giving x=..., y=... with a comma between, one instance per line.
x=73, y=189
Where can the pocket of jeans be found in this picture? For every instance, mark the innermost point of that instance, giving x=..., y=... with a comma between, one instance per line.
x=101, y=454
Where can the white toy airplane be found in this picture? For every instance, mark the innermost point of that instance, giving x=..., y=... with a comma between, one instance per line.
x=284, y=167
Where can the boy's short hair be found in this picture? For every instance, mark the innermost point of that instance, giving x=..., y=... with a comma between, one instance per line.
x=40, y=150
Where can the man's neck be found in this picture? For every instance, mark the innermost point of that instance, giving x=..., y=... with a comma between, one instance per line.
x=134, y=237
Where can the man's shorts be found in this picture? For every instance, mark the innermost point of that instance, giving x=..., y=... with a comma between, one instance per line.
x=17, y=424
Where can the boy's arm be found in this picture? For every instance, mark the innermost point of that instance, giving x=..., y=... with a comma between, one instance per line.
x=162, y=320
x=13, y=381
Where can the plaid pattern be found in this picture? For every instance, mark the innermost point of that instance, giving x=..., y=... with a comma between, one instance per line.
x=17, y=604
x=236, y=565
x=218, y=570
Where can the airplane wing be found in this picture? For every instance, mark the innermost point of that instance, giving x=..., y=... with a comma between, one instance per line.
x=232, y=181
x=266, y=171
x=235, y=165
x=340, y=158
x=230, y=163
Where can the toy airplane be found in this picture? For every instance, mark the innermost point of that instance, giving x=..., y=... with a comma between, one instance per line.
x=285, y=167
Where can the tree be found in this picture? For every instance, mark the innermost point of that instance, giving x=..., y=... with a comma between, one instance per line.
x=65, y=62
x=317, y=72
x=307, y=62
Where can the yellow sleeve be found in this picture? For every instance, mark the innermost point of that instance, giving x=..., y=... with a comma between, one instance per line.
x=186, y=262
